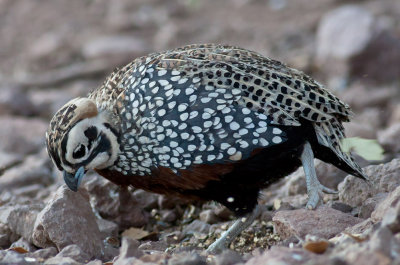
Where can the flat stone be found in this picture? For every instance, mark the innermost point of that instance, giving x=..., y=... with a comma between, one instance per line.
x=323, y=222
x=74, y=252
x=62, y=221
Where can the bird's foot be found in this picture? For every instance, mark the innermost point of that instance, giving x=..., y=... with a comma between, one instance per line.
x=315, y=192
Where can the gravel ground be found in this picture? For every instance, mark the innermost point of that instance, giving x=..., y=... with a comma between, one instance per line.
x=52, y=51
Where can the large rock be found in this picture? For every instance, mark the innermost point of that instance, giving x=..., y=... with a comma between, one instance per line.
x=351, y=41
x=323, y=222
x=68, y=219
x=382, y=178
x=20, y=218
x=115, y=203
x=390, y=138
x=389, y=202
x=22, y=135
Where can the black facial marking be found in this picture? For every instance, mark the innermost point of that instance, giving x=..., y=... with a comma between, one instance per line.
x=79, y=152
x=91, y=133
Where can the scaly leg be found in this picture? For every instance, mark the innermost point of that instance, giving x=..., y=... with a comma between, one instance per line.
x=314, y=188
x=227, y=237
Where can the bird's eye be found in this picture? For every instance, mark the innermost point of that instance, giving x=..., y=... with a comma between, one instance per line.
x=79, y=152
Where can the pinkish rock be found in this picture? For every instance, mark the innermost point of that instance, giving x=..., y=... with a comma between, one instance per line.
x=74, y=252
x=20, y=218
x=43, y=254
x=369, y=205
x=22, y=135
x=323, y=222
x=129, y=249
x=284, y=255
x=363, y=257
x=154, y=246
x=62, y=221
x=390, y=138
x=228, y=257
x=209, y=217
x=115, y=203
x=107, y=228
x=61, y=261
x=34, y=170
x=187, y=258
x=382, y=178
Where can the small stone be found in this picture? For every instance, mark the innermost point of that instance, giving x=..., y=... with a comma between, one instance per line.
x=209, y=217
x=146, y=199
x=168, y=216
x=23, y=243
x=61, y=261
x=323, y=222
x=345, y=208
x=383, y=207
x=223, y=213
x=187, y=258
x=62, y=221
x=13, y=257
x=43, y=254
x=129, y=248
x=155, y=257
x=197, y=226
x=107, y=228
x=154, y=245
x=95, y=262
x=370, y=204
x=74, y=252
x=228, y=257
x=354, y=191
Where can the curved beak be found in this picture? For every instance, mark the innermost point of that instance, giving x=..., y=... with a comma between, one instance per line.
x=73, y=181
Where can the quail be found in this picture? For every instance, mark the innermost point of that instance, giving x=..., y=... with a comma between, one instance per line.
x=204, y=122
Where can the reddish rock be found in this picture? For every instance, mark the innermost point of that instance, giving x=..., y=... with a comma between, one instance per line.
x=323, y=222
x=114, y=203
x=284, y=255
x=62, y=221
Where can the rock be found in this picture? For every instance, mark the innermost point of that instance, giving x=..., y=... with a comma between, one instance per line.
x=155, y=258
x=196, y=226
x=187, y=258
x=323, y=222
x=223, y=213
x=146, y=199
x=367, y=258
x=382, y=178
x=20, y=218
x=370, y=204
x=74, y=252
x=209, y=217
x=28, y=191
x=391, y=215
x=21, y=135
x=154, y=246
x=390, y=201
x=337, y=45
x=61, y=261
x=345, y=208
x=12, y=257
x=6, y=236
x=228, y=257
x=115, y=203
x=62, y=221
x=34, y=170
x=107, y=228
x=390, y=138
x=382, y=241
x=23, y=243
x=43, y=254
x=95, y=262
x=168, y=216
x=130, y=248
x=169, y=202
x=284, y=255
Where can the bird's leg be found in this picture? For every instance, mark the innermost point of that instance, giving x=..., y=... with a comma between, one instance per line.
x=228, y=236
x=314, y=188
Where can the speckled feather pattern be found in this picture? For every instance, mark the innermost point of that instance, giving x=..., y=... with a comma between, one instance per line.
x=212, y=104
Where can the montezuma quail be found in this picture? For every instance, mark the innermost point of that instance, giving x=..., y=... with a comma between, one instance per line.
x=207, y=122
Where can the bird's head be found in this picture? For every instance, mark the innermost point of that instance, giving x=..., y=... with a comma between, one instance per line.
x=81, y=138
